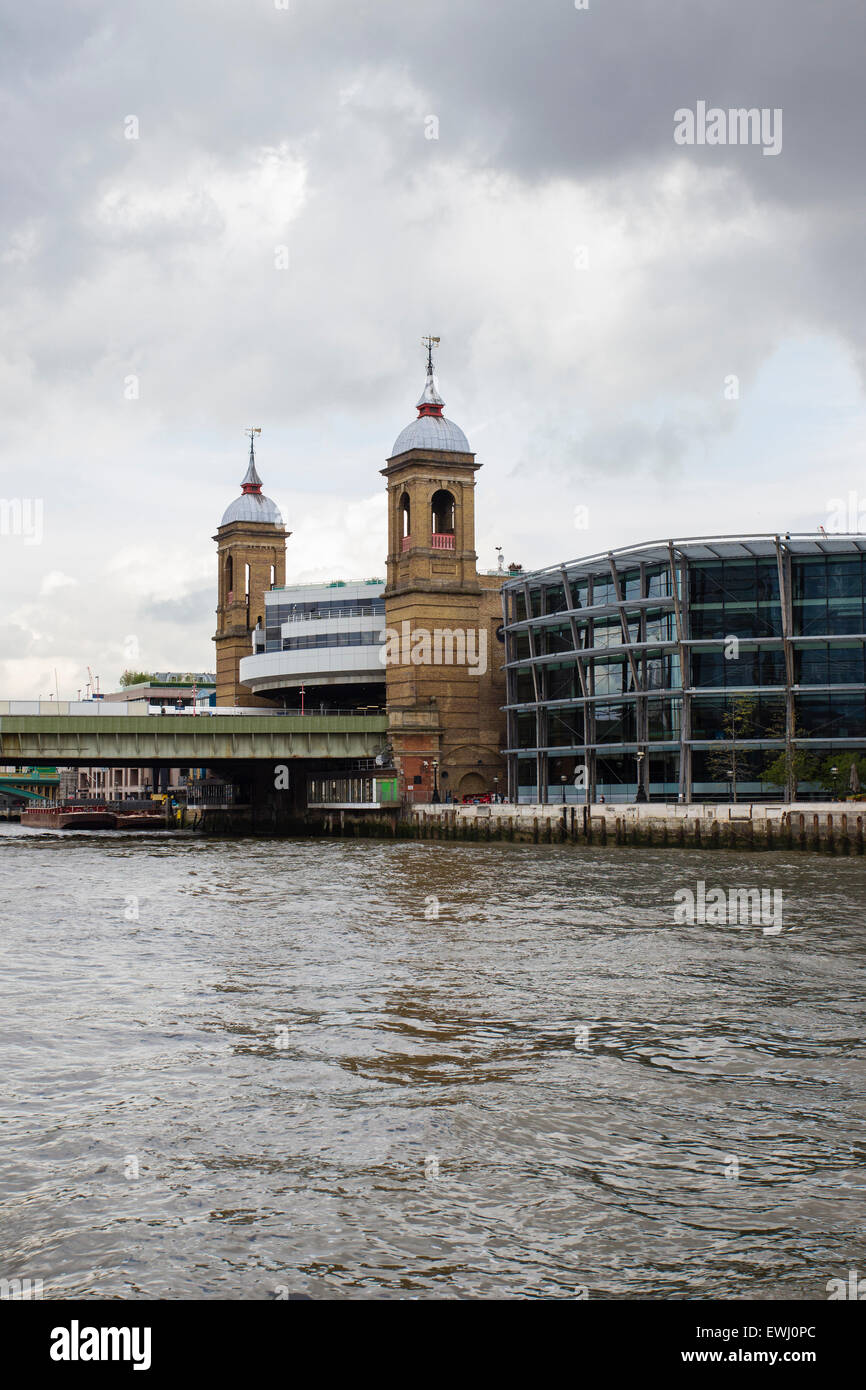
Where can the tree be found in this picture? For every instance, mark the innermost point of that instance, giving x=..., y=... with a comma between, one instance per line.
x=135, y=678
x=791, y=766
x=737, y=723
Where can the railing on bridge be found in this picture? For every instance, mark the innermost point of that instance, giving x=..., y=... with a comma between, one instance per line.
x=78, y=708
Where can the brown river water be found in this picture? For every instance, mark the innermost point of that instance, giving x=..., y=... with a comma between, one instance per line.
x=252, y=1068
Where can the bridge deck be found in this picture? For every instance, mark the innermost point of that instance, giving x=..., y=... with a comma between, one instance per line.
x=179, y=739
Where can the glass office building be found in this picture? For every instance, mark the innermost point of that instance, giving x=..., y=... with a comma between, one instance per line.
x=672, y=670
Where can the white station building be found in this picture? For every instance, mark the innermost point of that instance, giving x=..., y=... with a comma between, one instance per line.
x=316, y=636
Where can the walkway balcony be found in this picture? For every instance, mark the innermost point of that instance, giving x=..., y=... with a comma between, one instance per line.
x=443, y=540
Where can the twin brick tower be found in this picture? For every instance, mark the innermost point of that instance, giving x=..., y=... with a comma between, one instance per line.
x=444, y=685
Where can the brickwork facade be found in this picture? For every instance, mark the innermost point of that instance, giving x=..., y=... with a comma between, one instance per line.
x=251, y=557
x=445, y=721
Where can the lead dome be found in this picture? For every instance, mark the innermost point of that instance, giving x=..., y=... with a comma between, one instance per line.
x=431, y=430
x=252, y=505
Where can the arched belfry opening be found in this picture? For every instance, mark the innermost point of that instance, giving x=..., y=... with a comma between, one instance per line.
x=442, y=507
x=230, y=578
x=405, y=517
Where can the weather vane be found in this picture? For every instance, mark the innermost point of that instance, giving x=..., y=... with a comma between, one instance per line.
x=428, y=343
x=252, y=431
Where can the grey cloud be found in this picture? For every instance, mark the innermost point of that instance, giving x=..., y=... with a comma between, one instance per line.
x=548, y=116
x=195, y=609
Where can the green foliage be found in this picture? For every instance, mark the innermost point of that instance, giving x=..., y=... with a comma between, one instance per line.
x=790, y=767
x=135, y=678
x=840, y=784
x=738, y=723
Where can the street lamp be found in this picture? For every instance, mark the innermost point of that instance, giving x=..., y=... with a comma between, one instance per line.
x=436, y=797
x=641, y=794
x=563, y=779
x=496, y=789
x=834, y=773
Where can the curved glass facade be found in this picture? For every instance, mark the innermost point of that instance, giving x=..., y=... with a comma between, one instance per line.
x=326, y=638
x=680, y=670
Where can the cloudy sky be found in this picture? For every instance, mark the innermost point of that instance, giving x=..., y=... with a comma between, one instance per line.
x=224, y=213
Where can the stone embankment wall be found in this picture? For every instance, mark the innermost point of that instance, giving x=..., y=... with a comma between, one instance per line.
x=832, y=827
x=829, y=827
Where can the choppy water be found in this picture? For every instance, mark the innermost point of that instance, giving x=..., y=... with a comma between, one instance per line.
x=327, y=1092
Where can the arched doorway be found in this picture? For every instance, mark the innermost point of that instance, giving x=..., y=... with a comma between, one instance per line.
x=471, y=784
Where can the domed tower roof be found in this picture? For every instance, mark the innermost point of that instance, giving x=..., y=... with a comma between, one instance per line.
x=252, y=505
x=431, y=430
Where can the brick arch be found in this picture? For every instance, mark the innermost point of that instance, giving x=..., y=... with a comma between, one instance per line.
x=471, y=784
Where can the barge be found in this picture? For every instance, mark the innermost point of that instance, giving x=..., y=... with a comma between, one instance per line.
x=68, y=817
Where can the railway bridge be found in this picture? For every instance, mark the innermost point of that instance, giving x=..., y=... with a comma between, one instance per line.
x=269, y=759
x=181, y=740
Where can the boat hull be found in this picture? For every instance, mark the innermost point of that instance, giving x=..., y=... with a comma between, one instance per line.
x=68, y=818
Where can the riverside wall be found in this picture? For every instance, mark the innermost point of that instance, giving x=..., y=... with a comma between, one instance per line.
x=829, y=827
x=825, y=827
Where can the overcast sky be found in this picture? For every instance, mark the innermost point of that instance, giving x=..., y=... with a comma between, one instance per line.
x=596, y=287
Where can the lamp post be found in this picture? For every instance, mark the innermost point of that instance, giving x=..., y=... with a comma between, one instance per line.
x=834, y=773
x=496, y=789
x=563, y=779
x=641, y=794
x=436, y=797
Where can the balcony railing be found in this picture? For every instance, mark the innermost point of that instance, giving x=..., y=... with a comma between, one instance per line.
x=214, y=794
x=360, y=611
x=443, y=540
x=407, y=541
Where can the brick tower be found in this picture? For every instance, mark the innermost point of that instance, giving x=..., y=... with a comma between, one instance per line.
x=251, y=558
x=443, y=657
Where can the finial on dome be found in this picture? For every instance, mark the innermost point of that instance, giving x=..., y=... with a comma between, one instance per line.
x=430, y=402
x=252, y=482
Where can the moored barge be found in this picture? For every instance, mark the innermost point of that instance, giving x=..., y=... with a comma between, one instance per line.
x=68, y=817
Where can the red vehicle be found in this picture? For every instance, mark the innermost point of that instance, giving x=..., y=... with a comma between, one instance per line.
x=477, y=799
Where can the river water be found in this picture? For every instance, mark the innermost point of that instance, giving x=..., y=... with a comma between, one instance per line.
x=255, y=1069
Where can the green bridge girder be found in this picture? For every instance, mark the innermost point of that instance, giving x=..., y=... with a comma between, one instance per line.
x=186, y=740
x=9, y=789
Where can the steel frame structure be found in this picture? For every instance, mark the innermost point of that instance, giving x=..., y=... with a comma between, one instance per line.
x=673, y=558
